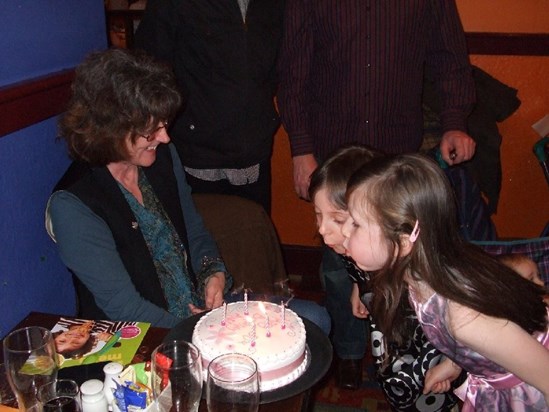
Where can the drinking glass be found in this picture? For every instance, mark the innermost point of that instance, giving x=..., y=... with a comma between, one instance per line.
x=7, y=397
x=233, y=384
x=176, y=375
x=31, y=361
x=60, y=395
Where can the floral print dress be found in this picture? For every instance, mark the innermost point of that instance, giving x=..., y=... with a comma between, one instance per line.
x=489, y=387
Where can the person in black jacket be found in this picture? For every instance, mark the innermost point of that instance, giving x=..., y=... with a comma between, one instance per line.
x=223, y=54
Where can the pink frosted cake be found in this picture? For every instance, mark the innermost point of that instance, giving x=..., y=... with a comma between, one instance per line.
x=273, y=337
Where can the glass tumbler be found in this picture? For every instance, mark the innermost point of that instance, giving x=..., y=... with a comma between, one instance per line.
x=60, y=395
x=233, y=384
x=7, y=397
x=31, y=361
x=176, y=375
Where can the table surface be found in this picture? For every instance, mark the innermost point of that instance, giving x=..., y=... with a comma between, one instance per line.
x=152, y=339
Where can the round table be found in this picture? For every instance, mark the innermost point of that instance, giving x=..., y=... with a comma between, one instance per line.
x=319, y=346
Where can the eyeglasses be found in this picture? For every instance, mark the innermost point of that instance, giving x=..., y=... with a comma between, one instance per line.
x=152, y=135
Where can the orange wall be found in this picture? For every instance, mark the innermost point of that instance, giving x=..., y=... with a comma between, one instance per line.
x=518, y=16
x=524, y=202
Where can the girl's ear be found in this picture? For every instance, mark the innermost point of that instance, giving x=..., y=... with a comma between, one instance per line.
x=405, y=245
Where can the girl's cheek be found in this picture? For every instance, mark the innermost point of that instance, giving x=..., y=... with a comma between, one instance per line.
x=349, y=247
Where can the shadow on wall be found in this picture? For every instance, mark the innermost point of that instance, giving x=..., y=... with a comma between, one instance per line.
x=41, y=38
x=32, y=277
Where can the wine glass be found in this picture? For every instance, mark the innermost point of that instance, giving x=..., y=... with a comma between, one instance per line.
x=233, y=384
x=60, y=395
x=31, y=361
x=176, y=375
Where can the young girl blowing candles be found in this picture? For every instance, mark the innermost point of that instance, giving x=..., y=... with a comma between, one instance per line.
x=400, y=368
x=478, y=312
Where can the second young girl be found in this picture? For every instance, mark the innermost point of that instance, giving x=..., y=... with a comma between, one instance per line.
x=400, y=368
x=483, y=316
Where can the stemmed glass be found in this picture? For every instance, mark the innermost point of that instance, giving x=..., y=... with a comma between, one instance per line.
x=31, y=361
x=233, y=384
x=176, y=375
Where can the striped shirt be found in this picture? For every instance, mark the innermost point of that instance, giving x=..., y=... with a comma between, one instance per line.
x=351, y=71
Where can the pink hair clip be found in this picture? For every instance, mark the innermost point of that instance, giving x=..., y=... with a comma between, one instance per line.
x=415, y=232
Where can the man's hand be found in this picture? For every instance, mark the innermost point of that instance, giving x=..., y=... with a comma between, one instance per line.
x=304, y=166
x=456, y=147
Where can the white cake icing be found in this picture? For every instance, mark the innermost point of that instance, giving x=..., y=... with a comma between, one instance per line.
x=281, y=357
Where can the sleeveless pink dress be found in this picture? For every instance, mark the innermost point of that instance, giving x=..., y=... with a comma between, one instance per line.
x=489, y=387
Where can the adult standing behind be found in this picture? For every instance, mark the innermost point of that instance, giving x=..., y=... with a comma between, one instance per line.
x=224, y=57
x=122, y=215
x=352, y=72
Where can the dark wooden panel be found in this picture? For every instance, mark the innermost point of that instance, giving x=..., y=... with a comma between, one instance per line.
x=304, y=261
x=518, y=44
x=29, y=102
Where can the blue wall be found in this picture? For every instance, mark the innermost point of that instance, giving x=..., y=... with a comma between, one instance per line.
x=39, y=37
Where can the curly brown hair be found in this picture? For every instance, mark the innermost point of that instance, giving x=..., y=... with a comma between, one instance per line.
x=116, y=93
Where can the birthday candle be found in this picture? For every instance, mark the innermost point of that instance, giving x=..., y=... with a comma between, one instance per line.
x=223, y=322
x=267, y=324
x=252, y=333
x=283, y=315
x=245, y=301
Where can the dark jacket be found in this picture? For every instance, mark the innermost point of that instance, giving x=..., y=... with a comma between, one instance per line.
x=226, y=71
x=98, y=190
x=495, y=102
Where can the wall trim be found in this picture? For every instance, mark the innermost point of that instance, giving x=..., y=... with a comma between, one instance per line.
x=29, y=102
x=32, y=101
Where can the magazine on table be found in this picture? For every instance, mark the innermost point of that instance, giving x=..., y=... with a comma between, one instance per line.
x=83, y=341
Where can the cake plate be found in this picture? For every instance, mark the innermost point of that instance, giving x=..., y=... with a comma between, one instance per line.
x=319, y=346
